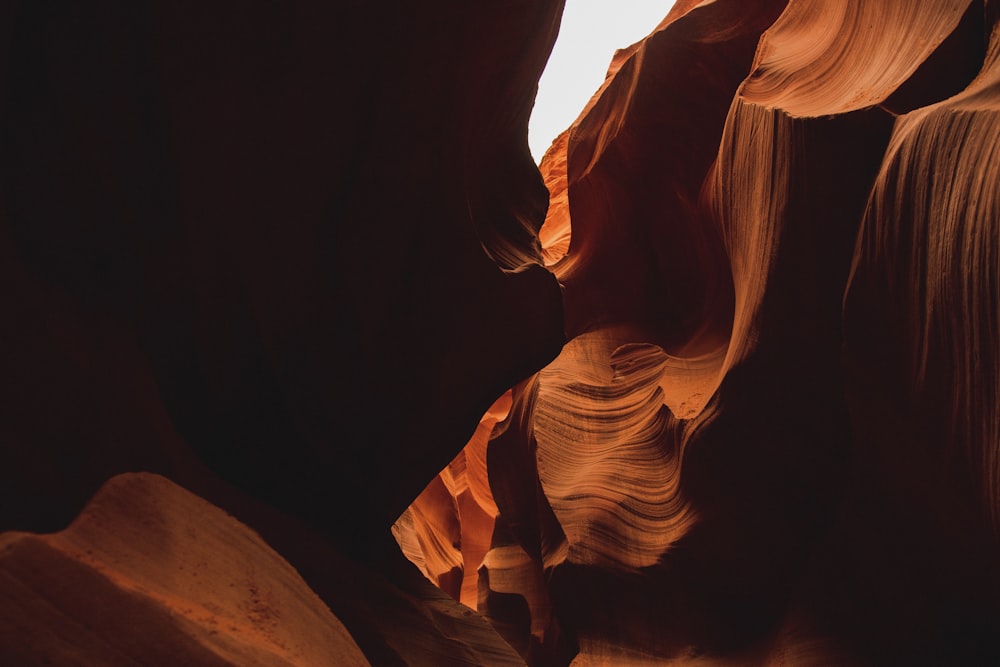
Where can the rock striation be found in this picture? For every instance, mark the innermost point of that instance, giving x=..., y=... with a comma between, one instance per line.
x=770, y=438
x=294, y=347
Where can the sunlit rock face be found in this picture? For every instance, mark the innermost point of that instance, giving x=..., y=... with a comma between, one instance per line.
x=772, y=435
x=730, y=399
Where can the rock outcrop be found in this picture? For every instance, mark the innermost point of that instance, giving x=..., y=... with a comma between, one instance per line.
x=730, y=399
x=158, y=577
x=283, y=255
x=771, y=436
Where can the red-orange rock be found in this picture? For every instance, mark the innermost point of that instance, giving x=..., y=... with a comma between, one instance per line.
x=288, y=256
x=150, y=574
x=771, y=437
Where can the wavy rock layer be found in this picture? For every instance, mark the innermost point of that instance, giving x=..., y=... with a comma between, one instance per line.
x=772, y=436
x=611, y=476
x=288, y=255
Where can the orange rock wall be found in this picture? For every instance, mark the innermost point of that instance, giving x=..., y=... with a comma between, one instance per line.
x=771, y=435
x=743, y=368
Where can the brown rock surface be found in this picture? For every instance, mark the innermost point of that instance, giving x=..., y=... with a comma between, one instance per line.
x=283, y=254
x=150, y=574
x=216, y=218
x=771, y=437
x=288, y=255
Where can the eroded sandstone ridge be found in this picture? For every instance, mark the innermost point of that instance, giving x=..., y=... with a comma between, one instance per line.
x=733, y=400
x=170, y=579
x=772, y=435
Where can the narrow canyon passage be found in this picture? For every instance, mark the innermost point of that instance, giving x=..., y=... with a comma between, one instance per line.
x=306, y=362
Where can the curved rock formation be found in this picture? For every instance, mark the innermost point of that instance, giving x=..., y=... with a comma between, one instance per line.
x=288, y=256
x=770, y=438
x=845, y=56
x=261, y=210
x=446, y=531
x=162, y=578
x=282, y=255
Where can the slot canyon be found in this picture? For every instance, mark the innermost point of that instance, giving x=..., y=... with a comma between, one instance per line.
x=306, y=362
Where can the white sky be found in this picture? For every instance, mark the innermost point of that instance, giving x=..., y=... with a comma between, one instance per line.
x=591, y=31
